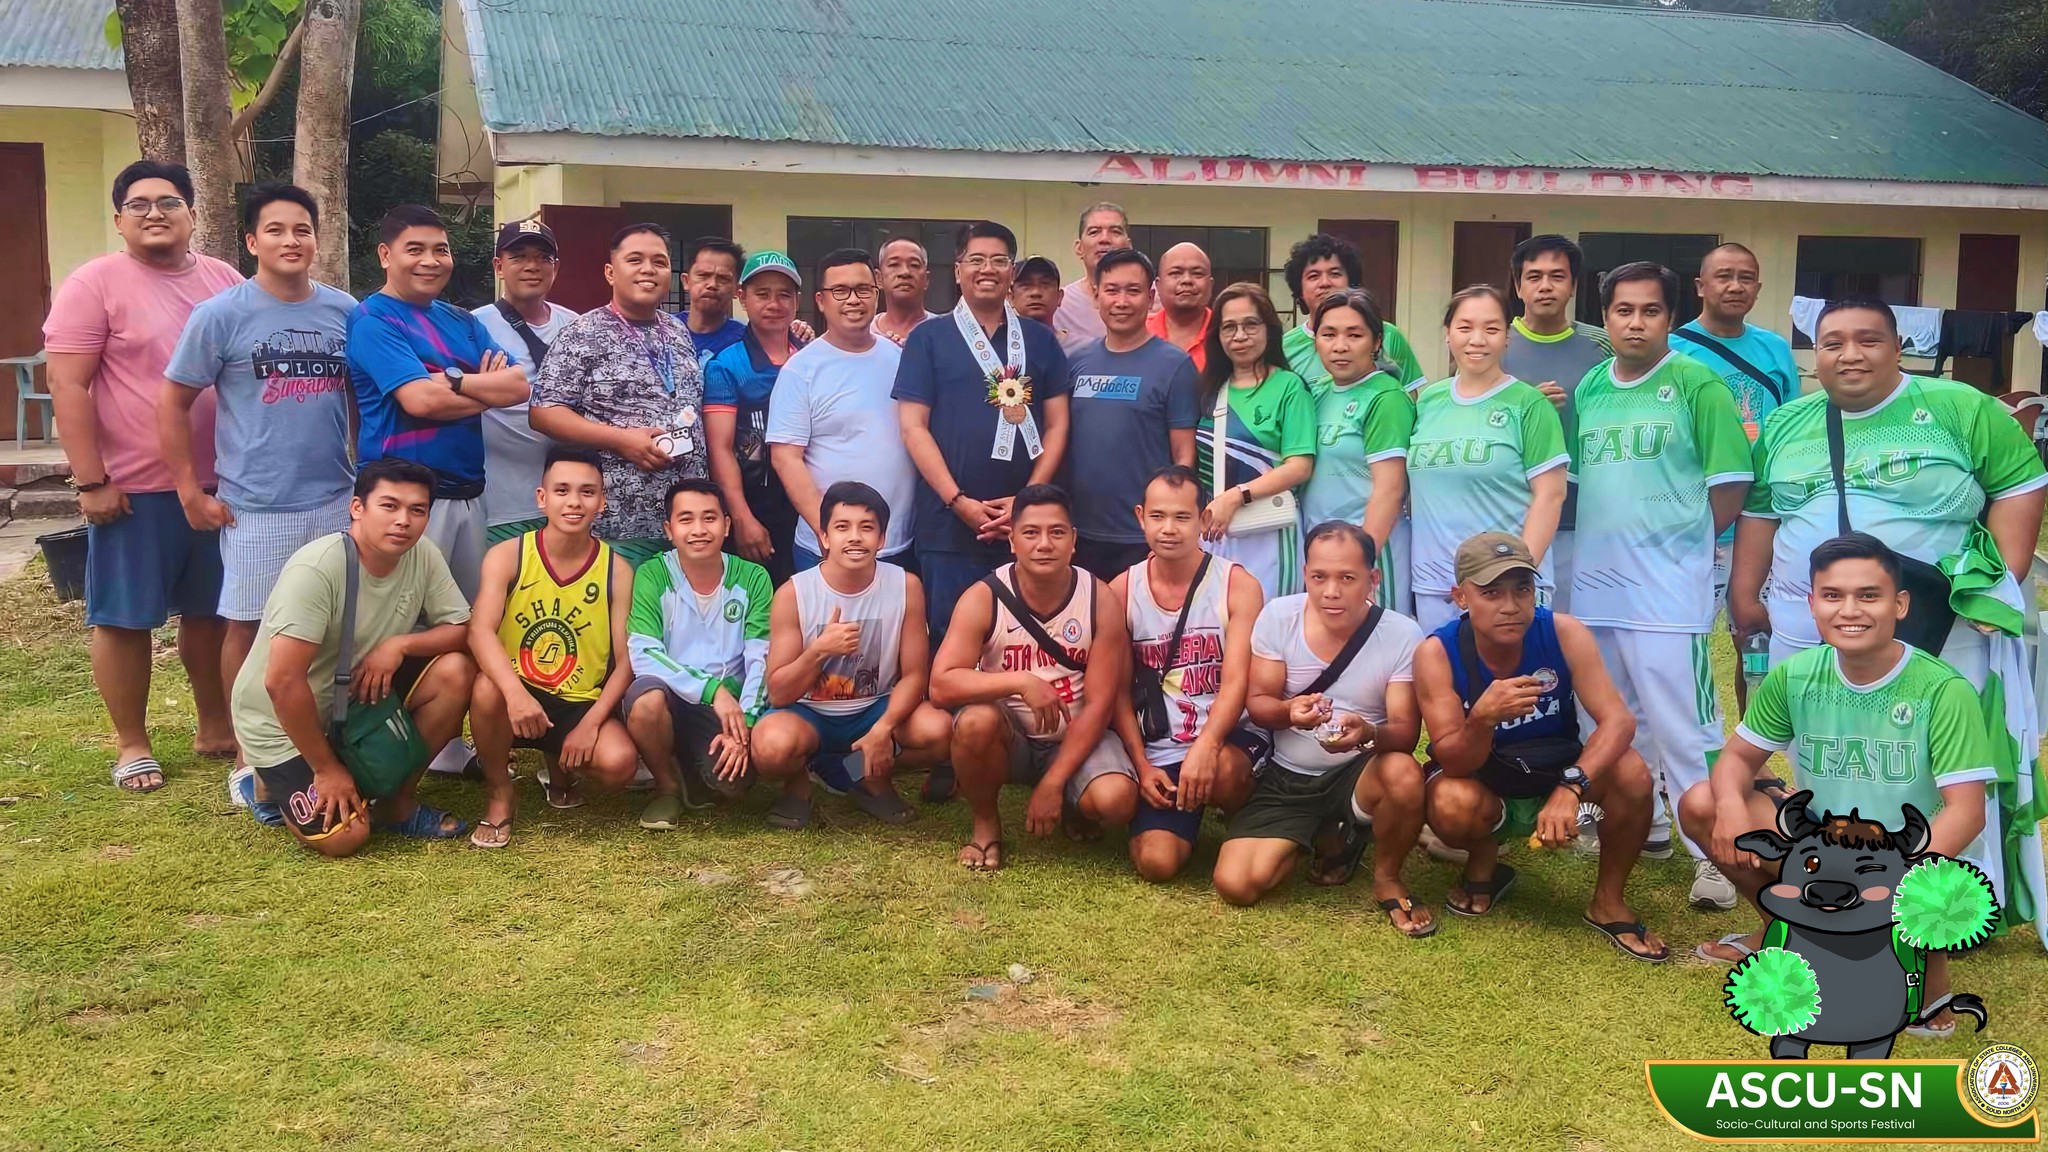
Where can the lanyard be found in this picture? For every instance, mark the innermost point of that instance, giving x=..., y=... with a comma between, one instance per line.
x=662, y=361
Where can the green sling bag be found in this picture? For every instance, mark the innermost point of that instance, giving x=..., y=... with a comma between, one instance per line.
x=377, y=741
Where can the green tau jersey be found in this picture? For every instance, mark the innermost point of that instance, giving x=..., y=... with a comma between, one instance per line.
x=1920, y=467
x=1356, y=427
x=1645, y=454
x=1469, y=466
x=1299, y=346
x=1874, y=747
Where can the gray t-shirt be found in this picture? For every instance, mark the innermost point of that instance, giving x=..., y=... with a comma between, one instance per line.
x=1123, y=405
x=282, y=441
x=513, y=451
x=1565, y=359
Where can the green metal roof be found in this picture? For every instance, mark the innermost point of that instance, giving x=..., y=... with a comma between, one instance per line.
x=1476, y=82
x=56, y=34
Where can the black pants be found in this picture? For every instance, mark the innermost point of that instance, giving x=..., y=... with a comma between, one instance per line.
x=1108, y=559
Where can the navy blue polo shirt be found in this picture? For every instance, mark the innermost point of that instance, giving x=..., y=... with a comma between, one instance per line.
x=940, y=371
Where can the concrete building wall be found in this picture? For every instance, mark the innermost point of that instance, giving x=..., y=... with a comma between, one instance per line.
x=82, y=151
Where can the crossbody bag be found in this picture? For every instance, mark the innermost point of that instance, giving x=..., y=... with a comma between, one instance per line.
x=1261, y=514
x=1928, y=613
x=1148, y=684
x=377, y=741
x=1524, y=768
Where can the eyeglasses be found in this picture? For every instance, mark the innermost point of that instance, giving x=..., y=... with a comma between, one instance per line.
x=845, y=292
x=1241, y=328
x=993, y=263
x=165, y=204
x=529, y=256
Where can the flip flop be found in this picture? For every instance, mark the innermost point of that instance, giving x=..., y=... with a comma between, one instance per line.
x=1354, y=837
x=423, y=824
x=1494, y=890
x=141, y=766
x=1931, y=1032
x=983, y=865
x=570, y=798
x=790, y=813
x=504, y=826
x=885, y=805
x=1404, y=904
x=1616, y=929
x=265, y=812
x=1732, y=940
x=662, y=813
x=938, y=785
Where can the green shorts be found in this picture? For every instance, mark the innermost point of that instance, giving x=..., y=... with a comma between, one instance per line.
x=499, y=533
x=1518, y=818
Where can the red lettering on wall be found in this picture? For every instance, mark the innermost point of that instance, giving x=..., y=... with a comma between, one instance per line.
x=1436, y=179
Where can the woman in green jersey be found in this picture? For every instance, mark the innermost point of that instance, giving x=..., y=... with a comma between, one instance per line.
x=1268, y=434
x=1363, y=420
x=1487, y=455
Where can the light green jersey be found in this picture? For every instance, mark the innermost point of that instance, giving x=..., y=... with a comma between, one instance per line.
x=1469, y=466
x=1645, y=454
x=697, y=644
x=1299, y=346
x=1874, y=747
x=1356, y=427
x=1920, y=467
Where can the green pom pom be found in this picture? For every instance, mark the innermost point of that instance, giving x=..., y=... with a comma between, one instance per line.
x=1773, y=993
x=1945, y=905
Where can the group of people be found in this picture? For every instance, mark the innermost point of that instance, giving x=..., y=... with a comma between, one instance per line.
x=1128, y=541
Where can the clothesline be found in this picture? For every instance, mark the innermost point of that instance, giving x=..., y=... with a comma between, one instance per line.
x=1919, y=328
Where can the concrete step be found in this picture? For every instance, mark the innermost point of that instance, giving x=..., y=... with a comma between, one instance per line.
x=42, y=501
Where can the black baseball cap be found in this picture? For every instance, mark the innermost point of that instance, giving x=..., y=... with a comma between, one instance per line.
x=1037, y=266
x=519, y=231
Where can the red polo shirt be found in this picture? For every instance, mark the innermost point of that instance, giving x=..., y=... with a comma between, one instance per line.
x=1197, y=351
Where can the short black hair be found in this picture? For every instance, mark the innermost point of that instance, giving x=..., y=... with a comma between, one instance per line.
x=179, y=176
x=1343, y=530
x=1731, y=246
x=1322, y=246
x=700, y=486
x=571, y=454
x=1032, y=495
x=857, y=495
x=631, y=230
x=1118, y=257
x=719, y=244
x=392, y=470
x=1549, y=242
x=988, y=230
x=404, y=216
x=1667, y=282
x=1857, y=304
x=1181, y=476
x=264, y=195
x=1359, y=301
x=841, y=258
x=1854, y=546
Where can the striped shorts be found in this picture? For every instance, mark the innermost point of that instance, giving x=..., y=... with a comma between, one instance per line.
x=253, y=551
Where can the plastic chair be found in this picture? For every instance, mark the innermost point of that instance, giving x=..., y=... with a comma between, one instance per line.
x=25, y=394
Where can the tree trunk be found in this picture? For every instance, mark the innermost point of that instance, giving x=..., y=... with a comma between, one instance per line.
x=209, y=147
x=149, y=43
x=327, y=65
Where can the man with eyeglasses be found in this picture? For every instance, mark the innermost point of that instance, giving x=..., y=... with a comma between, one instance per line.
x=109, y=336
x=831, y=417
x=905, y=277
x=524, y=322
x=623, y=379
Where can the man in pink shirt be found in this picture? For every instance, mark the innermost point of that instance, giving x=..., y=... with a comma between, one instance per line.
x=109, y=337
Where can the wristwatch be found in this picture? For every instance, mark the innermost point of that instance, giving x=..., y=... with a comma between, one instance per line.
x=92, y=486
x=1575, y=778
x=1244, y=493
x=454, y=375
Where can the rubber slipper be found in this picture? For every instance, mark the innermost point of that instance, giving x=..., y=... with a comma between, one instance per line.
x=982, y=865
x=1337, y=868
x=141, y=766
x=504, y=826
x=1404, y=904
x=1614, y=930
x=1494, y=890
x=885, y=805
x=1931, y=1032
x=424, y=824
x=791, y=814
x=264, y=812
x=662, y=813
x=569, y=796
x=938, y=785
x=1732, y=940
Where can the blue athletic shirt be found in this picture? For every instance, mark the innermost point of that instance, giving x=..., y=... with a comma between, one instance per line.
x=391, y=344
x=717, y=340
x=1555, y=713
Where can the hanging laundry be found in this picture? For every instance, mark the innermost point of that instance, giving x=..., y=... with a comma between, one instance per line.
x=1805, y=313
x=2041, y=327
x=1919, y=330
x=1985, y=335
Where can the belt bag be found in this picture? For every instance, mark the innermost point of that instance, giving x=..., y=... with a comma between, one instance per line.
x=1928, y=613
x=376, y=741
x=1148, y=687
x=1529, y=768
x=1264, y=514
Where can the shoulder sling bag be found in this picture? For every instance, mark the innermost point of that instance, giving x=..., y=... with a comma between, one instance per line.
x=1148, y=684
x=1029, y=619
x=1721, y=349
x=534, y=346
x=376, y=741
x=1264, y=514
x=1928, y=614
x=1346, y=654
x=1525, y=768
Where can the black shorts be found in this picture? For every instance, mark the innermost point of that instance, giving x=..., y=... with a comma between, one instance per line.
x=1287, y=805
x=290, y=784
x=1256, y=746
x=695, y=727
x=562, y=715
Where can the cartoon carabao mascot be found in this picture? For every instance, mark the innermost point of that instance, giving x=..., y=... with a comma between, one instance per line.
x=1854, y=913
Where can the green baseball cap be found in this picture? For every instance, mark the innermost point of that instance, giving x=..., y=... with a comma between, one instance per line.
x=770, y=261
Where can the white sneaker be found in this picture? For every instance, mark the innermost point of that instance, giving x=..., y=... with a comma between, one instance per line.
x=1711, y=891
x=453, y=757
x=235, y=793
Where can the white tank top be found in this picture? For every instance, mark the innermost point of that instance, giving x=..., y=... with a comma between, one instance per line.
x=1010, y=648
x=1197, y=674
x=848, y=684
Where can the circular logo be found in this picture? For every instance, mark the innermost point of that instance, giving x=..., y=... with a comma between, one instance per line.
x=2001, y=1081
x=1922, y=416
x=1351, y=410
x=1498, y=418
x=1071, y=631
x=1666, y=393
x=547, y=654
x=733, y=611
x=1545, y=678
x=1902, y=714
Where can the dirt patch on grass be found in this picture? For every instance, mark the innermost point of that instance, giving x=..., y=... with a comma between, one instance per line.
x=1020, y=1009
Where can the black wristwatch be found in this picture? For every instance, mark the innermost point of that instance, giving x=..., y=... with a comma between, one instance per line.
x=454, y=375
x=1575, y=778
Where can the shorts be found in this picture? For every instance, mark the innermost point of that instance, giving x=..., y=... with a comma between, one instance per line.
x=499, y=533
x=639, y=551
x=290, y=784
x=1287, y=805
x=253, y=551
x=695, y=727
x=1109, y=559
x=149, y=566
x=837, y=731
x=457, y=528
x=1030, y=757
x=1517, y=813
x=563, y=715
x=1188, y=825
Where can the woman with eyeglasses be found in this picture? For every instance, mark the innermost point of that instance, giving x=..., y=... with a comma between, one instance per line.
x=1259, y=413
x=1363, y=421
x=1487, y=455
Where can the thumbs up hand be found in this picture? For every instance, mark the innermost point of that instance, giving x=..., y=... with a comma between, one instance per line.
x=838, y=638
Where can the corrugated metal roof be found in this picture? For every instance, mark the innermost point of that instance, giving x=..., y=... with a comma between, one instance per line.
x=1482, y=82
x=56, y=34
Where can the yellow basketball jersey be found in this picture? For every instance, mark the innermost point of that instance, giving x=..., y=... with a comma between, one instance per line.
x=558, y=626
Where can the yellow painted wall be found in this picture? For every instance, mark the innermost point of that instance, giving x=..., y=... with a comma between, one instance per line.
x=462, y=154
x=1043, y=215
x=82, y=152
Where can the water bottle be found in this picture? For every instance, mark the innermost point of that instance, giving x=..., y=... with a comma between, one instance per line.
x=1756, y=660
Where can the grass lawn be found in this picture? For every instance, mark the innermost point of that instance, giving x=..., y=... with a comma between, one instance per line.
x=175, y=977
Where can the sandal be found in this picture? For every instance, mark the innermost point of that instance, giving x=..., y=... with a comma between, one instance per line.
x=425, y=823
x=501, y=827
x=141, y=766
x=662, y=813
x=1406, y=907
x=1337, y=868
x=938, y=785
x=570, y=798
x=267, y=813
x=1732, y=942
x=982, y=865
x=1616, y=929
x=790, y=813
x=1494, y=889
x=885, y=805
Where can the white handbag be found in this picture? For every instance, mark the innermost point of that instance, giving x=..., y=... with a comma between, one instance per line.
x=1262, y=514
